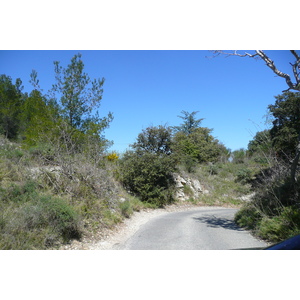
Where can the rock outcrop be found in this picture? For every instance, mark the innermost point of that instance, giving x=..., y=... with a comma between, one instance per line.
x=187, y=187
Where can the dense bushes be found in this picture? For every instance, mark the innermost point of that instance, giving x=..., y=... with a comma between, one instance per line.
x=147, y=170
x=148, y=176
x=273, y=213
x=33, y=220
x=43, y=206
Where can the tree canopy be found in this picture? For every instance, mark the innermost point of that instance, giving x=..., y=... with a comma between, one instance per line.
x=286, y=123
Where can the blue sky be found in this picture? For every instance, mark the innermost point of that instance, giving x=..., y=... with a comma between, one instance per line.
x=144, y=88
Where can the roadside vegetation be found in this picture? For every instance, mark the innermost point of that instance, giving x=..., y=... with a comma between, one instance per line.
x=274, y=212
x=59, y=182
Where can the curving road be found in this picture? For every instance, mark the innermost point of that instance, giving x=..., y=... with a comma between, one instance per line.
x=201, y=229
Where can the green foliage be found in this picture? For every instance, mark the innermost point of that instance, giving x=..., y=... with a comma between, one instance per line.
x=79, y=94
x=192, y=143
x=32, y=220
x=286, y=123
x=39, y=119
x=248, y=216
x=10, y=107
x=199, y=145
x=244, y=175
x=189, y=122
x=239, y=156
x=126, y=208
x=154, y=140
x=281, y=227
x=148, y=176
x=261, y=143
x=273, y=213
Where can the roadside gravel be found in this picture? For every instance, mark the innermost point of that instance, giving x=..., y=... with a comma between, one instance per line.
x=111, y=238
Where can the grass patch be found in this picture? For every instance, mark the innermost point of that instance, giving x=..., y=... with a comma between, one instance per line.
x=222, y=185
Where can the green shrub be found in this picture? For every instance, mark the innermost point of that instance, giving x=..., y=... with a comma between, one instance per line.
x=281, y=227
x=61, y=216
x=148, y=176
x=126, y=208
x=272, y=229
x=248, y=217
x=31, y=220
x=243, y=175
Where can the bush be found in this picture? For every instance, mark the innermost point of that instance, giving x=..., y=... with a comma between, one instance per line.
x=248, y=217
x=280, y=227
x=126, y=208
x=148, y=176
x=243, y=175
x=31, y=220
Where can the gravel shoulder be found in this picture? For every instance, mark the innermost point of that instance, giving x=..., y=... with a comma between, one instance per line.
x=109, y=239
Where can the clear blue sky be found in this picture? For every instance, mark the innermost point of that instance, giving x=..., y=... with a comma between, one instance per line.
x=144, y=88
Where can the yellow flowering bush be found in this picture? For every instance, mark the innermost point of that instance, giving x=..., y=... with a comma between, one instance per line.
x=112, y=157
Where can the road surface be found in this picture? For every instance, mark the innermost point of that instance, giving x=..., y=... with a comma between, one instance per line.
x=201, y=229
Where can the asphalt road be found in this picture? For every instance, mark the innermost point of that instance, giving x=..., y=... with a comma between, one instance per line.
x=201, y=229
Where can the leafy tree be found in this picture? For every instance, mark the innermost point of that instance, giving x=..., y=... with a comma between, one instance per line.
x=146, y=171
x=261, y=142
x=286, y=123
x=293, y=83
x=189, y=124
x=239, y=156
x=192, y=143
x=285, y=132
x=11, y=99
x=154, y=140
x=79, y=95
x=76, y=97
x=200, y=145
x=38, y=118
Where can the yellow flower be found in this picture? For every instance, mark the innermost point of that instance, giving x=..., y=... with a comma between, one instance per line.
x=112, y=157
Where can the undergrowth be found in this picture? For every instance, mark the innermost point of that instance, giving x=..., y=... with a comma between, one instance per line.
x=44, y=205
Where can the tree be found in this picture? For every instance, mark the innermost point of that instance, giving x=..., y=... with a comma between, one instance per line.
x=292, y=85
x=11, y=99
x=286, y=128
x=154, y=140
x=79, y=95
x=286, y=123
x=147, y=170
x=192, y=143
x=199, y=146
x=190, y=123
x=261, y=142
x=38, y=118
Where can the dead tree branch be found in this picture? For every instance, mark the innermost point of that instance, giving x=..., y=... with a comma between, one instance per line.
x=262, y=55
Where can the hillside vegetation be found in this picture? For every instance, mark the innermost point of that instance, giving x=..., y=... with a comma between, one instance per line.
x=59, y=182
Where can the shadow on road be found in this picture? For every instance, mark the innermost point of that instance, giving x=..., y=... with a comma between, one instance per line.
x=214, y=222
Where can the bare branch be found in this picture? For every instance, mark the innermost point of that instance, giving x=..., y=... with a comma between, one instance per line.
x=272, y=66
x=296, y=65
x=260, y=54
x=233, y=53
x=295, y=54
